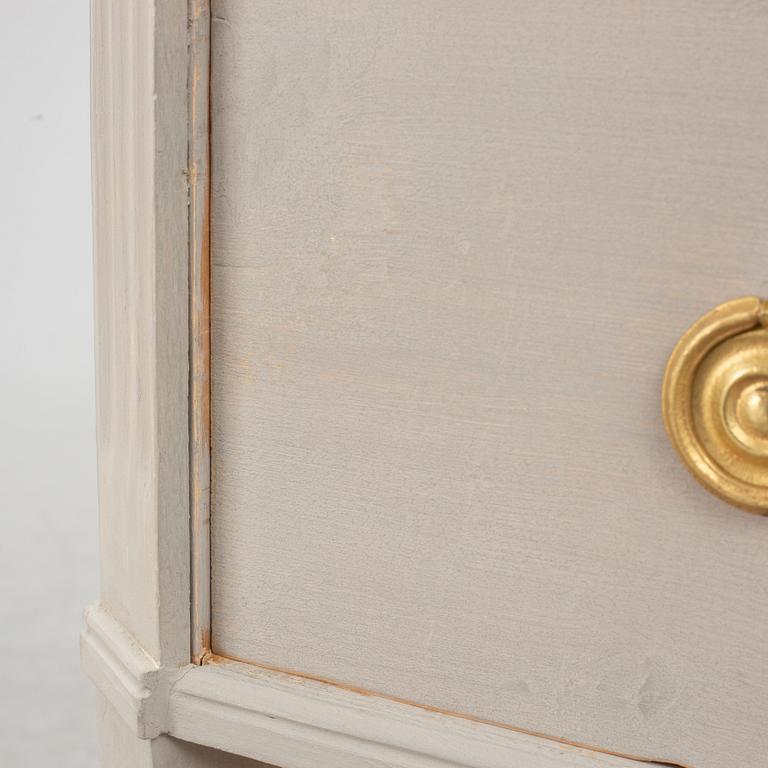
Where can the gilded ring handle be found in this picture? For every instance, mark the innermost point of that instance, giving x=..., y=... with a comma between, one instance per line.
x=715, y=402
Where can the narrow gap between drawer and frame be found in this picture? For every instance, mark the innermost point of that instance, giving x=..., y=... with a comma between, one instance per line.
x=199, y=154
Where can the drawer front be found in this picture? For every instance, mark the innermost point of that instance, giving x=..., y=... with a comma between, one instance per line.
x=453, y=245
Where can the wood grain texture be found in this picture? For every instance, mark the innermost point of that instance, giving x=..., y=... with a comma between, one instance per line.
x=453, y=246
x=139, y=57
x=299, y=723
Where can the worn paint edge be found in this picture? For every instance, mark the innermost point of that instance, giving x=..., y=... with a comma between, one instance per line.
x=300, y=723
x=295, y=722
x=199, y=327
x=214, y=659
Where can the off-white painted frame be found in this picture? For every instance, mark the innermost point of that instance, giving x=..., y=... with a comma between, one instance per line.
x=146, y=645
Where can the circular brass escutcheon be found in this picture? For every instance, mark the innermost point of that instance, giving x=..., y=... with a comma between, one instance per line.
x=715, y=402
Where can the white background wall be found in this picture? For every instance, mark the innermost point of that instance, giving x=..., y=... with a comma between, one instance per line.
x=48, y=540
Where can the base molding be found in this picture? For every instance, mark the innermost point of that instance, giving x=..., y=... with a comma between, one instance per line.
x=298, y=723
x=127, y=676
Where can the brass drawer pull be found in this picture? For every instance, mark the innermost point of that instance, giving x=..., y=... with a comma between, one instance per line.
x=715, y=402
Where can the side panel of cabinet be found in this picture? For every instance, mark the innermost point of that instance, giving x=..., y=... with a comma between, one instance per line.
x=139, y=125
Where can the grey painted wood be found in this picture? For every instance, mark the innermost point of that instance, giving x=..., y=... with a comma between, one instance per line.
x=172, y=753
x=453, y=245
x=294, y=722
x=139, y=119
x=120, y=748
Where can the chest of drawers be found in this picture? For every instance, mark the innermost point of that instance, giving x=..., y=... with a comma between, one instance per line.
x=385, y=294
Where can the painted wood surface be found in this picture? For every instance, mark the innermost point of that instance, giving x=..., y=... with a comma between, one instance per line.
x=294, y=722
x=120, y=748
x=300, y=723
x=453, y=246
x=139, y=118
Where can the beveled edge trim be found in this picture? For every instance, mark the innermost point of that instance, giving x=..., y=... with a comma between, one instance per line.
x=128, y=677
x=295, y=722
